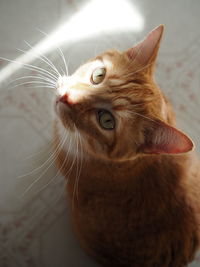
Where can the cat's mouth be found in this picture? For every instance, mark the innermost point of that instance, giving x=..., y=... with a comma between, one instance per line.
x=62, y=104
x=64, y=100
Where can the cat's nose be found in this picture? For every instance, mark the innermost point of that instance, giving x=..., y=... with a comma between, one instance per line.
x=64, y=99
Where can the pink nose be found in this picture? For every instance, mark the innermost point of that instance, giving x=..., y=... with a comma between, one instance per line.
x=64, y=99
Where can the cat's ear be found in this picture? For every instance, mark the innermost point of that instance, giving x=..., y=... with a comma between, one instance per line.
x=161, y=138
x=146, y=51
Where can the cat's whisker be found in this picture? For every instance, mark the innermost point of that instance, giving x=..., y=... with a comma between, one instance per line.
x=81, y=161
x=40, y=176
x=47, y=161
x=45, y=59
x=62, y=191
x=39, y=57
x=65, y=162
x=42, y=150
x=51, y=91
x=77, y=166
x=41, y=73
x=32, y=67
x=60, y=52
x=32, y=83
x=76, y=158
x=42, y=78
x=71, y=167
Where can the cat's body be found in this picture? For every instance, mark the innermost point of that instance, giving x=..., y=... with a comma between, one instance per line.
x=137, y=203
x=141, y=213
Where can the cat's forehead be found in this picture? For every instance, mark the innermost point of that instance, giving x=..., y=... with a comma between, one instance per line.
x=108, y=59
x=89, y=66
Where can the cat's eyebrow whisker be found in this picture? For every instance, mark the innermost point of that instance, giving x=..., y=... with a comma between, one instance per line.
x=143, y=116
x=60, y=52
x=143, y=68
x=32, y=67
x=134, y=59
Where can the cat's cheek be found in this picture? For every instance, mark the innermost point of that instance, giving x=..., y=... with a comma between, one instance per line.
x=94, y=149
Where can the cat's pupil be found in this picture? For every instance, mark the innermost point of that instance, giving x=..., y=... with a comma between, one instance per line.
x=106, y=120
x=98, y=75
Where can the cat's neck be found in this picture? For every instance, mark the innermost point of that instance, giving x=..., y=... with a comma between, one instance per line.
x=145, y=174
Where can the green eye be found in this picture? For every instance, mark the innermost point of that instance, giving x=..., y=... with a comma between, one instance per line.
x=98, y=75
x=106, y=120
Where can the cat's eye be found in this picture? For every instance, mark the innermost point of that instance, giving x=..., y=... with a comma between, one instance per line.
x=98, y=75
x=106, y=119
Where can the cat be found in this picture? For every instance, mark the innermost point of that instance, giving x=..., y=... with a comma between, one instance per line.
x=134, y=185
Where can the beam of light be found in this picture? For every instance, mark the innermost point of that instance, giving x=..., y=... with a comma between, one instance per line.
x=95, y=18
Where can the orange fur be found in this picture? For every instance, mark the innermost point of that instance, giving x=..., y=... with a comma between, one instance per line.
x=136, y=202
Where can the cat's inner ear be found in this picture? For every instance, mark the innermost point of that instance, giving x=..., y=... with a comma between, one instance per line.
x=146, y=51
x=161, y=138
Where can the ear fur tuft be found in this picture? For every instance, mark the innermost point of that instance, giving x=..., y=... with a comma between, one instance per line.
x=161, y=138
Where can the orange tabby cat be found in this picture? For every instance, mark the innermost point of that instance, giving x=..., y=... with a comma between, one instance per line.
x=134, y=184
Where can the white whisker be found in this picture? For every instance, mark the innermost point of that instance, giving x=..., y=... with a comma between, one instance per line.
x=45, y=59
x=36, y=180
x=49, y=159
x=81, y=161
x=32, y=82
x=60, y=51
x=44, y=86
x=32, y=67
x=65, y=162
x=35, y=77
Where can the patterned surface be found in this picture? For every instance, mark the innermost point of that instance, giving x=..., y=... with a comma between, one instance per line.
x=34, y=226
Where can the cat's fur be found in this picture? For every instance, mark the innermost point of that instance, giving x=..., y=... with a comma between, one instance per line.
x=136, y=202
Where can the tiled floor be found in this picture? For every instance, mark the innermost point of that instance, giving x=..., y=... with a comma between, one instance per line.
x=34, y=227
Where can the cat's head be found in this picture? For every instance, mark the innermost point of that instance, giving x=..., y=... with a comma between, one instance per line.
x=115, y=105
